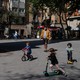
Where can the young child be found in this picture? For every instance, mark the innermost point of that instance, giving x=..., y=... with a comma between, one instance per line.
x=54, y=61
x=27, y=50
x=69, y=53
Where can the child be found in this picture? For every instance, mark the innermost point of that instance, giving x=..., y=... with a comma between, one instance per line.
x=54, y=61
x=27, y=51
x=69, y=53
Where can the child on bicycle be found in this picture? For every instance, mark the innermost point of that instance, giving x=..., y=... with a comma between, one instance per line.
x=69, y=53
x=54, y=61
x=27, y=51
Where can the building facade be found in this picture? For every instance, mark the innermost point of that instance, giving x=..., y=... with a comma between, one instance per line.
x=4, y=8
x=18, y=10
x=17, y=7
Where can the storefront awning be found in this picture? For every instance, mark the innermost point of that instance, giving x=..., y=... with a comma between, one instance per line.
x=40, y=27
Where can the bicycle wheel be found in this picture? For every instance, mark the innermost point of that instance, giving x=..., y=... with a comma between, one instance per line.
x=23, y=58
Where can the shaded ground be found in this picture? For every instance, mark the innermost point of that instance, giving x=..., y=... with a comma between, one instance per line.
x=14, y=46
x=18, y=45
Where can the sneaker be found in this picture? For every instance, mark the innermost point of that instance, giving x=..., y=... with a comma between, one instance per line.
x=69, y=62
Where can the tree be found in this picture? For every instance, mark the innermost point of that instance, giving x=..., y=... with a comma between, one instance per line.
x=58, y=6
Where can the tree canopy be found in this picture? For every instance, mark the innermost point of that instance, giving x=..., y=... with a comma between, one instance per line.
x=57, y=5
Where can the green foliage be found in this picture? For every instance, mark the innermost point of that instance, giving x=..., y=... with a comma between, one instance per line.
x=34, y=2
x=56, y=5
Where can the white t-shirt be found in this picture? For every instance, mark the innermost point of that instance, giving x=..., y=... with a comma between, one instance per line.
x=44, y=34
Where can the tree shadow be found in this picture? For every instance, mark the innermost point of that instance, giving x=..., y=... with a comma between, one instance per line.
x=40, y=77
x=14, y=46
x=29, y=76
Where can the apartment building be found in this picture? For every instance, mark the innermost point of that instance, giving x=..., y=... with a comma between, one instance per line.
x=14, y=11
x=18, y=7
x=18, y=10
x=4, y=8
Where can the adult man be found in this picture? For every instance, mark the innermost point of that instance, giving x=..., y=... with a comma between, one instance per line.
x=46, y=36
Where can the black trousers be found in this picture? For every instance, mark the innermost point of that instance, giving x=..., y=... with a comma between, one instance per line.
x=69, y=55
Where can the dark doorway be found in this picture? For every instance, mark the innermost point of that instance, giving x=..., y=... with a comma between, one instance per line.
x=22, y=34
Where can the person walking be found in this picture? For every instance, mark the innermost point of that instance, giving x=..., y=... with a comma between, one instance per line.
x=46, y=36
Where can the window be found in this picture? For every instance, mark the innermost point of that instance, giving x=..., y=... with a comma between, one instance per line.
x=21, y=10
x=15, y=9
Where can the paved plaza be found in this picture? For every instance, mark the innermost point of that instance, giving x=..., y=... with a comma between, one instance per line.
x=12, y=68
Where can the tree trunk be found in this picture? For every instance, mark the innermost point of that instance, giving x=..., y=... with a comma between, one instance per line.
x=67, y=27
x=27, y=11
x=42, y=12
x=68, y=32
x=62, y=27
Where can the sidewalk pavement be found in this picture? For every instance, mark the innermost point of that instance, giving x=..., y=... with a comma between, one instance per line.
x=12, y=68
x=17, y=40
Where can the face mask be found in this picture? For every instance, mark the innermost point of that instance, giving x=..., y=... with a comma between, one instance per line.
x=45, y=29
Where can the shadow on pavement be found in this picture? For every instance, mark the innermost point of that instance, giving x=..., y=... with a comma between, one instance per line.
x=24, y=59
x=34, y=58
x=74, y=74
x=14, y=46
x=17, y=76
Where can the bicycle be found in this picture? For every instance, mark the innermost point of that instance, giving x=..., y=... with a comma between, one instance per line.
x=25, y=57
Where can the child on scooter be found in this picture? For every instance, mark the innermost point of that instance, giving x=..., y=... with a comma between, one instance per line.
x=54, y=61
x=27, y=50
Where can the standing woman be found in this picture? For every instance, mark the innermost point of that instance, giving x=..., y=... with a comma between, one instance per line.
x=46, y=36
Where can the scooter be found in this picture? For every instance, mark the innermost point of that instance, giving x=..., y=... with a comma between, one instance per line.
x=45, y=72
x=55, y=72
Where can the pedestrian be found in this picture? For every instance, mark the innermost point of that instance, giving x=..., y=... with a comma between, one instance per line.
x=46, y=36
x=27, y=50
x=15, y=35
x=54, y=62
x=69, y=53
